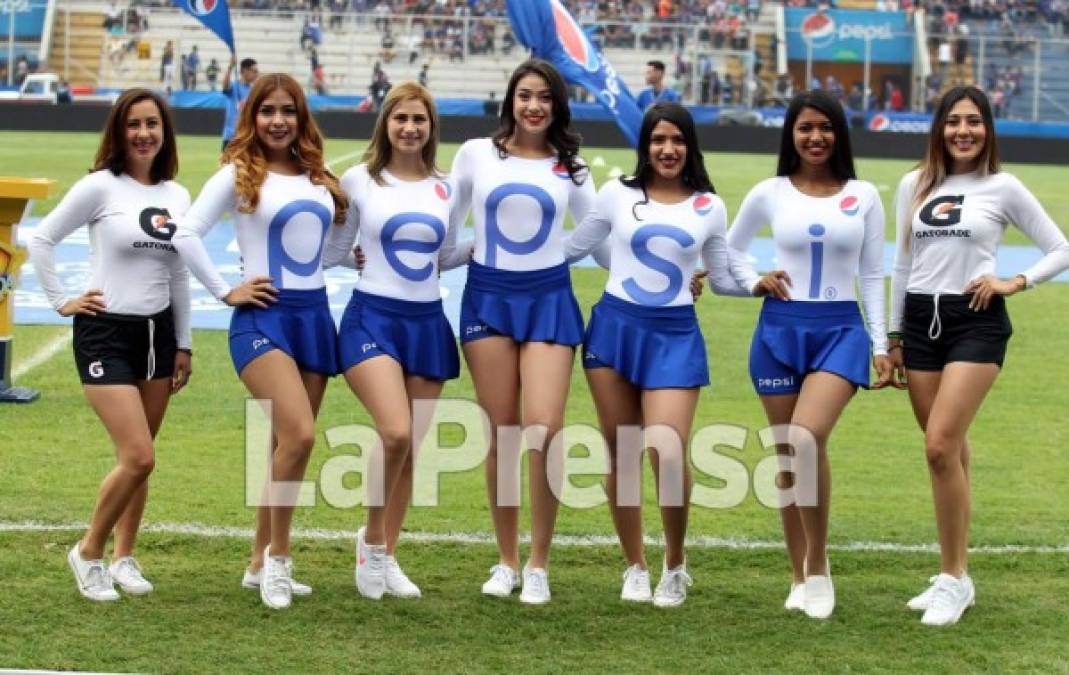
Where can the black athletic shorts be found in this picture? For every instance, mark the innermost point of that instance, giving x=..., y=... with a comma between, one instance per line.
x=124, y=348
x=939, y=329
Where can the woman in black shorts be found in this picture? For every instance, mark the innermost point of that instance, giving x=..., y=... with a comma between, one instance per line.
x=132, y=341
x=949, y=326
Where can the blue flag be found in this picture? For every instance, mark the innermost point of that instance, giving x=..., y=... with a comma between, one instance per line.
x=214, y=14
x=547, y=29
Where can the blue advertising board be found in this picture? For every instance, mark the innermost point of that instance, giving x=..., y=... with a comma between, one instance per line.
x=840, y=35
x=29, y=19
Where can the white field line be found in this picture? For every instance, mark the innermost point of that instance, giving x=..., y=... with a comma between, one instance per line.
x=50, y=349
x=212, y=532
x=348, y=155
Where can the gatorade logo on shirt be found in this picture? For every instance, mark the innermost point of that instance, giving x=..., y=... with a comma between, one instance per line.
x=941, y=212
x=157, y=223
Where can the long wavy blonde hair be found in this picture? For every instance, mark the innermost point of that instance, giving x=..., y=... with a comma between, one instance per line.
x=379, y=151
x=247, y=154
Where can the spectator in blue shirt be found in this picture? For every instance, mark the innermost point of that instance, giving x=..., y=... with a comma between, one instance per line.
x=236, y=91
x=656, y=92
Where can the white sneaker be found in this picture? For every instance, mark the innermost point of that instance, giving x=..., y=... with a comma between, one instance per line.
x=796, y=598
x=919, y=603
x=127, y=573
x=950, y=598
x=397, y=582
x=502, y=582
x=276, y=590
x=370, y=567
x=92, y=577
x=636, y=585
x=672, y=588
x=535, y=586
x=819, y=595
x=252, y=580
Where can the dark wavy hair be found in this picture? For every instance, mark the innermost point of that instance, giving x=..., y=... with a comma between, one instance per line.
x=111, y=154
x=694, y=174
x=841, y=161
x=559, y=136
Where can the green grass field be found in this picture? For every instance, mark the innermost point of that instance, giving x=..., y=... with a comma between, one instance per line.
x=54, y=453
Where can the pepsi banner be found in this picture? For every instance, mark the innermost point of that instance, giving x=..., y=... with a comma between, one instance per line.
x=214, y=14
x=840, y=35
x=549, y=31
x=29, y=18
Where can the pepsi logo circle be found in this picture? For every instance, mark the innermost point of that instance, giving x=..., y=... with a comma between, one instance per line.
x=443, y=190
x=879, y=122
x=818, y=29
x=203, y=7
x=850, y=205
x=561, y=171
x=703, y=204
x=572, y=38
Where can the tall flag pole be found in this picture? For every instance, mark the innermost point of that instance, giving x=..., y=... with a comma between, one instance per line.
x=549, y=31
x=214, y=14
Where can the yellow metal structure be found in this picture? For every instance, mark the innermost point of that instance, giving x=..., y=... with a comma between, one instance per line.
x=16, y=199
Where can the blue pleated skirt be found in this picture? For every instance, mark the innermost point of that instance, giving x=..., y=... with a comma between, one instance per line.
x=532, y=306
x=795, y=338
x=651, y=347
x=299, y=324
x=415, y=334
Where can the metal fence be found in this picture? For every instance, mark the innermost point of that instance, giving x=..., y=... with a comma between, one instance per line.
x=1027, y=77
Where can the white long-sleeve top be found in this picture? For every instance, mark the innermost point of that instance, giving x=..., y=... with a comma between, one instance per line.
x=826, y=244
x=131, y=253
x=283, y=239
x=652, y=257
x=518, y=205
x=952, y=238
x=405, y=231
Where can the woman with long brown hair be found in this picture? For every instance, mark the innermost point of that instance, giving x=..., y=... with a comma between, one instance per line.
x=282, y=336
x=519, y=320
x=132, y=341
x=395, y=345
x=949, y=327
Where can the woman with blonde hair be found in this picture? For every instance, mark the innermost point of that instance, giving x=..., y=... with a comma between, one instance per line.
x=282, y=337
x=395, y=345
x=949, y=325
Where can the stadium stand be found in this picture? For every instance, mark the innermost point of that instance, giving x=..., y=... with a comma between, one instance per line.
x=464, y=49
x=347, y=47
x=1001, y=46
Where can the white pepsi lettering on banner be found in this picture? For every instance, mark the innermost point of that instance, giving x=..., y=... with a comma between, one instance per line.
x=899, y=122
x=840, y=35
x=29, y=18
